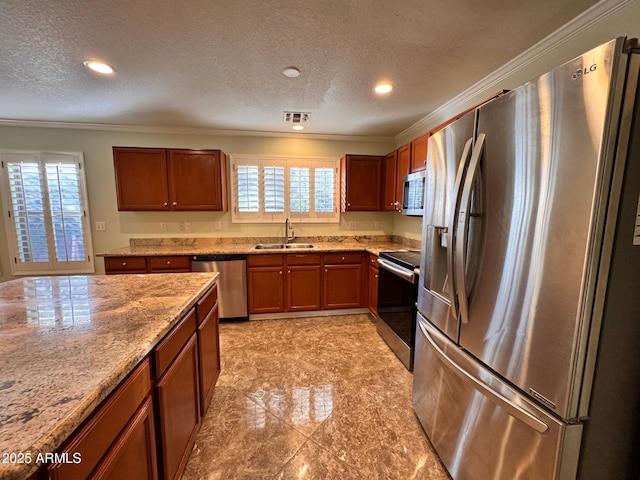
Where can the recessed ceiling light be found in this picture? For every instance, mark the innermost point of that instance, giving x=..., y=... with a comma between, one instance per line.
x=383, y=88
x=291, y=72
x=297, y=126
x=99, y=67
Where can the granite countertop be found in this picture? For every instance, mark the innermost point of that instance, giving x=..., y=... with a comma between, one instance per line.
x=67, y=342
x=204, y=246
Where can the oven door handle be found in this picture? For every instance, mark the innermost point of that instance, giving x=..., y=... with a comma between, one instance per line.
x=407, y=275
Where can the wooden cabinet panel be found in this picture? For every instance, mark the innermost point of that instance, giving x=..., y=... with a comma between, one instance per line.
x=361, y=182
x=265, y=289
x=115, y=265
x=373, y=284
x=168, y=348
x=346, y=257
x=179, y=410
x=141, y=178
x=209, y=357
x=389, y=172
x=168, y=264
x=206, y=303
x=265, y=260
x=403, y=168
x=134, y=453
x=164, y=264
x=342, y=286
x=170, y=179
x=95, y=438
x=195, y=179
x=303, y=287
x=419, y=153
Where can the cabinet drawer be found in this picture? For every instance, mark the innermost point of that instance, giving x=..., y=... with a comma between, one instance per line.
x=125, y=264
x=265, y=260
x=160, y=264
x=96, y=437
x=167, y=350
x=337, y=258
x=206, y=303
x=303, y=259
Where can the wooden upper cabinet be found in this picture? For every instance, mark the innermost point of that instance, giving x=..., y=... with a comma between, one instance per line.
x=389, y=172
x=197, y=180
x=403, y=168
x=170, y=179
x=419, y=153
x=141, y=178
x=361, y=182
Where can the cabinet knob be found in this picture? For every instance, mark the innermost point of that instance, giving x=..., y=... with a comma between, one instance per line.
x=343, y=258
x=280, y=272
x=175, y=203
x=289, y=272
x=168, y=262
x=124, y=264
x=165, y=204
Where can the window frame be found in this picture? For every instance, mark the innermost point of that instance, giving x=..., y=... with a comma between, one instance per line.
x=288, y=162
x=52, y=266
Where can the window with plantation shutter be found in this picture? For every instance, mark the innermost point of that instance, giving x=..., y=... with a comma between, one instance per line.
x=46, y=212
x=269, y=189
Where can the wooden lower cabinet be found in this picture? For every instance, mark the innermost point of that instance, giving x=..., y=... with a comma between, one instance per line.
x=373, y=284
x=178, y=407
x=265, y=283
x=342, y=280
x=208, y=357
x=151, y=264
x=303, y=282
x=134, y=453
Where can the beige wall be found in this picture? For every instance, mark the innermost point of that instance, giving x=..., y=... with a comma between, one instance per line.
x=96, y=146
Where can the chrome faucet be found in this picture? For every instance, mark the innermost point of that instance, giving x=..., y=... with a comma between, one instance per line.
x=287, y=227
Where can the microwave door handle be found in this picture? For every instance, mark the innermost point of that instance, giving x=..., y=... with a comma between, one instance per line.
x=463, y=228
x=451, y=223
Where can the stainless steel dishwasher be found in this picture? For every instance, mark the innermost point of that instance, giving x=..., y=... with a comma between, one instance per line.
x=232, y=282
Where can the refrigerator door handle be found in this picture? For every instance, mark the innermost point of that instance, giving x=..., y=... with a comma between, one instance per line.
x=452, y=223
x=499, y=399
x=463, y=228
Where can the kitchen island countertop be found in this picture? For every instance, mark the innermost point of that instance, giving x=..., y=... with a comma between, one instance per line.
x=67, y=342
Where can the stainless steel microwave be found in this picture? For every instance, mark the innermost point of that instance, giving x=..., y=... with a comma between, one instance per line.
x=413, y=194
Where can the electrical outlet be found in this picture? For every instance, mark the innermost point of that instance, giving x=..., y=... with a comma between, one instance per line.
x=163, y=226
x=181, y=226
x=101, y=226
x=353, y=225
x=187, y=226
x=376, y=225
x=217, y=225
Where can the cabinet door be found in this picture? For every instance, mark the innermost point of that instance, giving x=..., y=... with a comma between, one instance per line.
x=342, y=286
x=179, y=410
x=303, y=287
x=197, y=180
x=362, y=182
x=403, y=168
x=419, y=153
x=389, y=181
x=209, y=356
x=373, y=290
x=141, y=178
x=266, y=289
x=133, y=455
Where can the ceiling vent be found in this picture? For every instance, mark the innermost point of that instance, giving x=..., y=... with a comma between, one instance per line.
x=296, y=117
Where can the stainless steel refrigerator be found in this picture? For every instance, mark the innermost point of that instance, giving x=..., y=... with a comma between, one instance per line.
x=527, y=361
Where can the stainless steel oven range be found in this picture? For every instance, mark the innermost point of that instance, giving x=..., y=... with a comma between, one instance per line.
x=398, y=274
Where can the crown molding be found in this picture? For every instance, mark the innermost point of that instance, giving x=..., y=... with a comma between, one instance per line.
x=191, y=131
x=489, y=85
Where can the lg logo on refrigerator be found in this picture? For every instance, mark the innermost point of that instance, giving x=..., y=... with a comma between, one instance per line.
x=585, y=71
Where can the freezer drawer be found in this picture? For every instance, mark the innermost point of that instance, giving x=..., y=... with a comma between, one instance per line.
x=481, y=428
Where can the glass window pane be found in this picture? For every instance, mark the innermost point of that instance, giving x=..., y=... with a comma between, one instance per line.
x=299, y=191
x=324, y=190
x=248, y=189
x=273, y=189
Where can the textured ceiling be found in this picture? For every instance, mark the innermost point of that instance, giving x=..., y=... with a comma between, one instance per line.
x=218, y=64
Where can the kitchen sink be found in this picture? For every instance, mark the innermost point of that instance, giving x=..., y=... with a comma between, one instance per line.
x=274, y=246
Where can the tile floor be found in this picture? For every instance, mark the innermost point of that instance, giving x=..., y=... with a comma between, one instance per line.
x=313, y=398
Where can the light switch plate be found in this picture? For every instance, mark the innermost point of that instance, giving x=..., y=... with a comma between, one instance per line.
x=101, y=226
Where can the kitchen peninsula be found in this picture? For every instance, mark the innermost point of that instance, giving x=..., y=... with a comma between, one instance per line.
x=76, y=351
